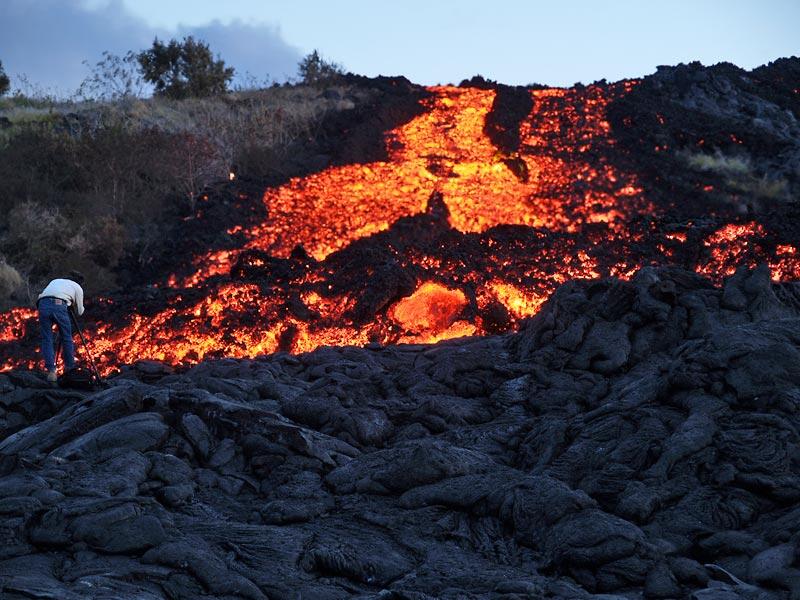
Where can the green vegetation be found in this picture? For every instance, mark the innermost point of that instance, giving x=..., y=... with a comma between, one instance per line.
x=719, y=163
x=184, y=69
x=314, y=70
x=740, y=175
x=5, y=83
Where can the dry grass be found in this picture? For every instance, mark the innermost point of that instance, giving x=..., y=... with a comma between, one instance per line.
x=251, y=121
x=719, y=163
x=740, y=175
x=282, y=108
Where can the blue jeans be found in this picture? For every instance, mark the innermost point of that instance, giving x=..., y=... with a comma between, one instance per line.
x=49, y=313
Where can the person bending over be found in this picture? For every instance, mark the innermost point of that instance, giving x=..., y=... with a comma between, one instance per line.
x=54, y=304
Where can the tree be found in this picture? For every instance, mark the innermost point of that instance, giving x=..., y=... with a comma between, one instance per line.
x=194, y=165
x=113, y=78
x=5, y=83
x=184, y=69
x=313, y=69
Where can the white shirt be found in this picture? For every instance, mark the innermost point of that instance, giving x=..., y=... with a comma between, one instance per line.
x=67, y=290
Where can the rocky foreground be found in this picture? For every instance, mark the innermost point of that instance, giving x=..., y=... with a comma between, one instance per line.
x=636, y=439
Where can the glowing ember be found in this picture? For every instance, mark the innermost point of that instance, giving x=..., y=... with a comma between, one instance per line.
x=208, y=328
x=743, y=244
x=12, y=323
x=786, y=265
x=728, y=247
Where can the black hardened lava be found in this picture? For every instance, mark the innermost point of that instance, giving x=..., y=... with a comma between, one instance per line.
x=637, y=439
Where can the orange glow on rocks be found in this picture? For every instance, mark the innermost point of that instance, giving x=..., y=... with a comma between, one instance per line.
x=13, y=322
x=742, y=244
x=518, y=302
x=728, y=247
x=786, y=265
x=208, y=328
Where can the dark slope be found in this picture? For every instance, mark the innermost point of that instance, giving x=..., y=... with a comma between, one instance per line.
x=630, y=434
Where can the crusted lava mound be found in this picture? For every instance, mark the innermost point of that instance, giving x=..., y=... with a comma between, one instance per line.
x=636, y=437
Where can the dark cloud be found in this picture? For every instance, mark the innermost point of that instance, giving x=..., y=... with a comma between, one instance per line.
x=48, y=40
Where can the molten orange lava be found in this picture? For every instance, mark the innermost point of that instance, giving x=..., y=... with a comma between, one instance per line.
x=430, y=314
x=560, y=181
x=445, y=150
x=519, y=302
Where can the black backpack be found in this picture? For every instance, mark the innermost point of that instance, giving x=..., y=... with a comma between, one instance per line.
x=78, y=378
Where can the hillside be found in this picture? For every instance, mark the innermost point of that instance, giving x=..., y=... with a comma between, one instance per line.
x=418, y=214
x=111, y=182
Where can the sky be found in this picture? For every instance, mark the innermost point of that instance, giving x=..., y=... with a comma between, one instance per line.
x=555, y=42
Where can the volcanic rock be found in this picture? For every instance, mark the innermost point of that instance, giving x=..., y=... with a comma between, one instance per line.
x=635, y=439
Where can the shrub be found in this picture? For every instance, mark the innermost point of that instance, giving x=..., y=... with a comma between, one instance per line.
x=38, y=236
x=48, y=243
x=193, y=165
x=5, y=83
x=99, y=186
x=313, y=69
x=30, y=162
x=30, y=94
x=113, y=78
x=741, y=175
x=760, y=189
x=184, y=69
x=255, y=130
x=122, y=172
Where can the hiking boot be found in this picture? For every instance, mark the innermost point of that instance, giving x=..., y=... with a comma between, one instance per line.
x=52, y=377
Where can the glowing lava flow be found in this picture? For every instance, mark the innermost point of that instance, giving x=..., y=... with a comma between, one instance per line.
x=432, y=311
x=446, y=150
x=575, y=206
